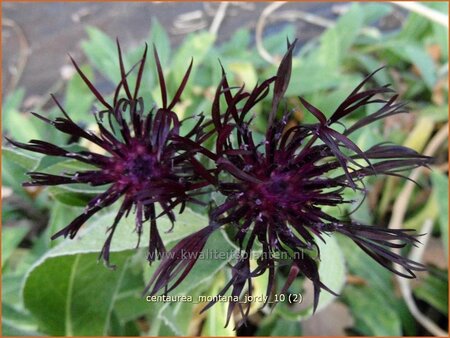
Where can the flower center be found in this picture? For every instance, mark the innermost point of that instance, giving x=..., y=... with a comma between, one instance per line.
x=141, y=167
x=271, y=194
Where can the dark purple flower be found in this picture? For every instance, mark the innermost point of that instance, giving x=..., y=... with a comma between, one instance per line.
x=145, y=161
x=276, y=190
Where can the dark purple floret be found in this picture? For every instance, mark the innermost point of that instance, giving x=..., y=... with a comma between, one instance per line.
x=276, y=190
x=144, y=160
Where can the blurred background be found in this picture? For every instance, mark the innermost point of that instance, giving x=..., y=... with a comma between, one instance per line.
x=339, y=43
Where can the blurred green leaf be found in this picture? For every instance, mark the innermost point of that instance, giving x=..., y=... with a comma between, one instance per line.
x=435, y=113
x=60, y=216
x=419, y=136
x=17, y=124
x=195, y=46
x=26, y=160
x=101, y=51
x=416, y=55
x=286, y=328
x=365, y=301
x=440, y=191
x=160, y=38
x=434, y=290
x=336, y=41
x=11, y=285
x=78, y=98
x=237, y=45
x=370, y=64
x=373, y=315
x=177, y=316
x=17, y=322
x=414, y=28
x=275, y=43
x=374, y=11
x=216, y=316
x=244, y=73
x=12, y=103
x=11, y=238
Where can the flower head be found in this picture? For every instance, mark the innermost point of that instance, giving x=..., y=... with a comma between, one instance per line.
x=278, y=191
x=144, y=159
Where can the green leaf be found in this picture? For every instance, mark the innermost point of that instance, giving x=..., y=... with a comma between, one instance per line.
x=17, y=322
x=26, y=160
x=216, y=315
x=79, y=98
x=434, y=290
x=275, y=44
x=19, y=125
x=194, y=46
x=416, y=55
x=160, y=38
x=237, y=44
x=13, y=101
x=414, y=28
x=92, y=236
x=60, y=216
x=435, y=113
x=11, y=238
x=337, y=40
x=102, y=53
x=78, y=293
x=286, y=328
x=375, y=11
x=365, y=301
x=370, y=64
x=11, y=284
x=244, y=73
x=218, y=252
x=440, y=191
x=332, y=273
x=372, y=313
x=76, y=195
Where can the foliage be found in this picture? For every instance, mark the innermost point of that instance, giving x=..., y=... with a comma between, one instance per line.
x=82, y=297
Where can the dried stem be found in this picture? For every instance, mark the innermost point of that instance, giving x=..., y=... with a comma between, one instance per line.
x=401, y=204
x=218, y=18
x=405, y=286
x=23, y=54
x=425, y=11
x=398, y=215
x=260, y=28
